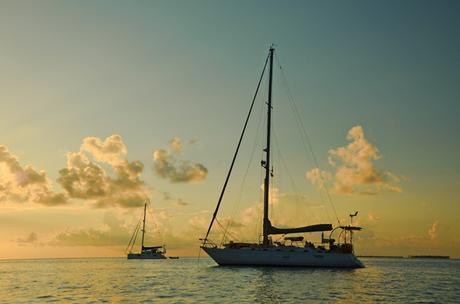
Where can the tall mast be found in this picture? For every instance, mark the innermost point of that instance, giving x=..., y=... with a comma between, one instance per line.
x=143, y=227
x=266, y=223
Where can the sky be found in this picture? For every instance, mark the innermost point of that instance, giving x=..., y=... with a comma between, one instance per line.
x=106, y=105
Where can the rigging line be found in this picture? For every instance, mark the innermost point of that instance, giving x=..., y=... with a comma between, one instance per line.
x=299, y=122
x=315, y=160
x=141, y=219
x=222, y=227
x=307, y=152
x=291, y=98
x=156, y=228
x=130, y=240
x=293, y=184
x=284, y=163
x=132, y=236
x=282, y=160
x=137, y=233
x=243, y=181
x=135, y=236
x=236, y=151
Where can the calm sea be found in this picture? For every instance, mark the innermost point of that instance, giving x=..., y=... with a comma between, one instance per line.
x=186, y=281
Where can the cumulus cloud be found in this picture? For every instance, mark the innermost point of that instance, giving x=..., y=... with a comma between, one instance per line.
x=167, y=166
x=85, y=177
x=112, y=150
x=355, y=172
x=20, y=183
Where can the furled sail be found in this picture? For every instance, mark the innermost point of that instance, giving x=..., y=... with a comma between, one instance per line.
x=151, y=247
x=310, y=228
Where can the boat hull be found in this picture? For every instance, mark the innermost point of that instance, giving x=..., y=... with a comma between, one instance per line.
x=146, y=256
x=287, y=257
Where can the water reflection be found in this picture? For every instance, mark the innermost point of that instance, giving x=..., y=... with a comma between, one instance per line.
x=265, y=285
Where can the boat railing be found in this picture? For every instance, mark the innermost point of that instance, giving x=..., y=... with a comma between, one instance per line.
x=344, y=242
x=208, y=243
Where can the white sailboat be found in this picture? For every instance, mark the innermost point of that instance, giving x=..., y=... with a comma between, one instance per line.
x=293, y=251
x=146, y=252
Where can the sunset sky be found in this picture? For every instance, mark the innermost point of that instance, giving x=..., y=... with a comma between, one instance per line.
x=107, y=104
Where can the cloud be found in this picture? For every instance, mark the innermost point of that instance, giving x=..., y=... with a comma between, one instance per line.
x=112, y=150
x=49, y=198
x=166, y=195
x=25, y=184
x=176, y=144
x=403, y=242
x=167, y=166
x=114, y=232
x=193, y=141
x=31, y=238
x=180, y=203
x=318, y=178
x=433, y=231
x=87, y=179
x=117, y=229
x=355, y=172
x=372, y=217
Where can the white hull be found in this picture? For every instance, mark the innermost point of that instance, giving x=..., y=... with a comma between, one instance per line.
x=146, y=256
x=282, y=256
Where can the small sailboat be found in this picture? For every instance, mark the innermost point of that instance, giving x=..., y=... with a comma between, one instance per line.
x=146, y=252
x=293, y=251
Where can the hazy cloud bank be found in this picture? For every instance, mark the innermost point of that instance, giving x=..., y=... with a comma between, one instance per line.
x=32, y=238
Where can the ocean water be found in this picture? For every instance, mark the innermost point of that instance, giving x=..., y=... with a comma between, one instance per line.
x=117, y=280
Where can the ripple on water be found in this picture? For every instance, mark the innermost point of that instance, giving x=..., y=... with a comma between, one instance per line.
x=181, y=281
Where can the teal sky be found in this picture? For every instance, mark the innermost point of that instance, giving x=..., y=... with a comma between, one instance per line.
x=153, y=70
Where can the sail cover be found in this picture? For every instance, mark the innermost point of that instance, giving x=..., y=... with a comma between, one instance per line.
x=311, y=228
x=151, y=247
